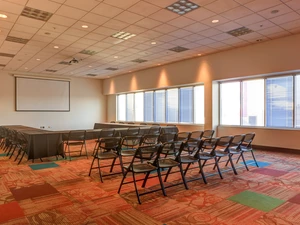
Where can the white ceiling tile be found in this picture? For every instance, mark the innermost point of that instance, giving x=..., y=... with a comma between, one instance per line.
x=116, y=24
x=70, y=12
x=203, y=2
x=179, y=42
x=144, y=8
x=42, y=38
x=261, y=25
x=208, y=21
x=27, y=29
x=165, y=28
x=20, y=34
x=196, y=27
x=141, y=39
x=252, y=37
x=271, y=30
x=205, y=41
x=78, y=25
x=97, y=37
x=121, y=4
x=11, y=7
x=282, y=9
x=86, y=41
x=149, y=34
x=135, y=29
x=4, y=60
x=181, y=22
x=129, y=17
x=94, y=19
x=58, y=1
x=258, y=5
x=251, y=19
x=161, y=3
x=236, y=13
x=20, y=2
x=66, y=37
x=11, y=47
x=210, y=32
x=30, y=22
x=36, y=44
x=243, y=1
x=6, y=25
x=86, y=5
x=220, y=6
x=76, y=32
x=193, y=37
x=200, y=14
x=10, y=17
x=106, y=10
x=44, y=5
x=103, y=45
x=291, y=25
x=221, y=37
x=293, y=4
x=47, y=33
x=166, y=38
x=105, y=31
x=54, y=27
x=163, y=15
x=61, y=20
x=228, y=26
x=285, y=18
x=148, y=23
x=180, y=33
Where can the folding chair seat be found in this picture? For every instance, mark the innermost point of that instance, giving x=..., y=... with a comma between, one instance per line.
x=75, y=138
x=168, y=138
x=207, y=134
x=193, y=141
x=143, y=168
x=148, y=140
x=222, y=150
x=245, y=147
x=108, y=149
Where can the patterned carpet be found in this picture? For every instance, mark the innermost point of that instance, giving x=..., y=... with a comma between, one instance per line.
x=61, y=192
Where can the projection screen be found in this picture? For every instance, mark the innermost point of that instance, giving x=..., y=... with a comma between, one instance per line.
x=42, y=94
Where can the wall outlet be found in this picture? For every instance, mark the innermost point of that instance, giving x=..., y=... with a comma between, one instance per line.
x=42, y=127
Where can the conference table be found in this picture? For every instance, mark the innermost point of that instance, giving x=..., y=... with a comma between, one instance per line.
x=43, y=143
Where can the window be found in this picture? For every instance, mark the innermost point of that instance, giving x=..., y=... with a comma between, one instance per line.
x=148, y=104
x=279, y=105
x=173, y=105
x=139, y=106
x=186, y=105
x=230, y=103
x=253, y=102
x=121, y=101
x=159, y=106
x=270, y=102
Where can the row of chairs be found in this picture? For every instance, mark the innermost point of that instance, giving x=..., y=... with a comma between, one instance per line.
x=161, y=156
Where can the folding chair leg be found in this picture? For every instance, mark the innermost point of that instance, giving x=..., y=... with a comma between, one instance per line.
x=201, y=171
x=99, y=170
x=218, y=163
x=219, y=171
x=121, y=184
x=112, y=165
x=145, y=179
x=161, y=183
x=244, y=161
x=135, y=187
x=232, y=165
x=167, y=174
x=21, y=157
x=186, y=169
x=86, y=151
x=238, y=159
x=254, y=158
x=183, y=177
x=13, y=152
x=91, y=166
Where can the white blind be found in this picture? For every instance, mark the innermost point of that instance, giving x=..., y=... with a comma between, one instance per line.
x=172, y=105
x=159, y=106
x=139, y=106
x=199, y=104
x=121, y=107
x=130, y=107
x=148, y=106
x=186, y=105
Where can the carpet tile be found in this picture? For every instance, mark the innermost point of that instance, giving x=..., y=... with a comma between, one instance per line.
x=62, y=192
x=257, y=201
x=10, y=211
x=270, y=172
x=260, y=163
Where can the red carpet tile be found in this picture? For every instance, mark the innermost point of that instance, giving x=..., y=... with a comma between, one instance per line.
x=10, y=211
x=270, y=172
x=295, y=199
x=67, y=195
x=33, y=191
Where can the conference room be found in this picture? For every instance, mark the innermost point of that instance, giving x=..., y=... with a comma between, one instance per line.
x=157, y=74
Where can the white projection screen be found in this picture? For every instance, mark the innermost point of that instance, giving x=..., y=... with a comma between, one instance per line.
x=42, y=94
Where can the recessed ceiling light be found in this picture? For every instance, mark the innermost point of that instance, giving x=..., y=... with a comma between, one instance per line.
x=274, y=11
x=85, y=26
x=90, y=66
x=3, y=16
x=55, y=46
x=123, y=35
x=116, y=57
x=38, y=59
x=153, y=43
x=47, y=33
x=129, y=71
x=26, y=68
x=158, y=64
x=215, y=21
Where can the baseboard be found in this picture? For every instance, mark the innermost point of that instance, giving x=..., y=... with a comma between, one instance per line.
x=276, y=149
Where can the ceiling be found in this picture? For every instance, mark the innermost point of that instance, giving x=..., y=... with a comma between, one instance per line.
x=43, y=36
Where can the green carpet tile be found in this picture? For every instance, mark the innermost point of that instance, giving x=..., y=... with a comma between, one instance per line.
x=43, y=166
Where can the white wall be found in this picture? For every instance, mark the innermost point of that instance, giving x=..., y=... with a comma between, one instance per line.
x=263, y=58
x=88, y=105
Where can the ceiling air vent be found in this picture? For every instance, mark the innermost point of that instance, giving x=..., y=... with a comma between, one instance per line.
x=64, y=63
x=6, y=55
x=36, y=14
x=112, y=68
x=139, y=60
x=52, y=71
x=239, y=31
x=91, y=75
x=2, y=65
x=88, y=52
x=17, y=40
x=178, y=49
